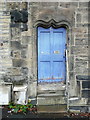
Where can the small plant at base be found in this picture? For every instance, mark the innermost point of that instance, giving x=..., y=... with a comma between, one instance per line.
x=15, y=108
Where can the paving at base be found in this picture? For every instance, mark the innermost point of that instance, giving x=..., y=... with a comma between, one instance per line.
x=36, y=115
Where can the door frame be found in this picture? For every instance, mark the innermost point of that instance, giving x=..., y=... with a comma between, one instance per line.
x=69, y=37
x=54, y=24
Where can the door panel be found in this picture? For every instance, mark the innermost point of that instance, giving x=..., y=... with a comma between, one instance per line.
x=57, y=44
x=51, y=54
x=45, y=42
x=43, y=69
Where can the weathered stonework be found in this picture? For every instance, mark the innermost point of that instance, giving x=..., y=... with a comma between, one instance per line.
x=18, y=51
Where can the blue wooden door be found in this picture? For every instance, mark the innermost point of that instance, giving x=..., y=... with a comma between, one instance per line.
x=51, y=54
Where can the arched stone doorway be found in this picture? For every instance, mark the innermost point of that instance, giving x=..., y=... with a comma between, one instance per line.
x=52, y=92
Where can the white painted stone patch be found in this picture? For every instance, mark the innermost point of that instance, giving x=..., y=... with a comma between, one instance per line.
x=5, y=94
x=20, y=94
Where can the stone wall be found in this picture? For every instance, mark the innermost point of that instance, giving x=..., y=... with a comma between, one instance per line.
x=5, y=59
x=19, y=45
x=76, y=14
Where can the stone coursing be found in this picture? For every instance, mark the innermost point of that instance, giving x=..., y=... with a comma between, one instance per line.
x=5, y=60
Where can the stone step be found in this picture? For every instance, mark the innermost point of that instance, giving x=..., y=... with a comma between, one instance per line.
x=51, y=99
x=78, y=101
x=52, y=108
x=51, y=93
x=53, y=86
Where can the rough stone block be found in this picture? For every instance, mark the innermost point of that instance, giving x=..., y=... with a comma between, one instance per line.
x=16, y=54
x=24, y=46
x=46, y=4
x=85, y=18
x=19, y=62
x=80, y=66
x=79, y=35
x=26, y=39
x=4, y=38
x=71, y=75
x=81, y=58
x=13, y=5
x=83, y=10
x=32, y=89
x=15, y=45
x=20, y=79
x=74, y=4
x=85, y=71
x=24, y=27
x=83, y=24
x=78, y=18
x=83, y=4
x=13, y=25
x=68, y=4
x=15, y=33
x=83, y=41
x=23, y=53
x=79, y=50
x=79, y=30
x=4, y=35
x=72, y=89
x=28, y=33
x=24, y=70
x=5, y=17
x=83, y=77
x=24, y=5
x=71, y=63
x=13, y=71
x=15, y=79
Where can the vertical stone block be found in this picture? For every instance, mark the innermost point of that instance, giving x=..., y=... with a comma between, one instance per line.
x=78, y=18
x=71, y=63
x=32, y=89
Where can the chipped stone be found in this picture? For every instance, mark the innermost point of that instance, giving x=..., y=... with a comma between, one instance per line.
x=20, y=93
